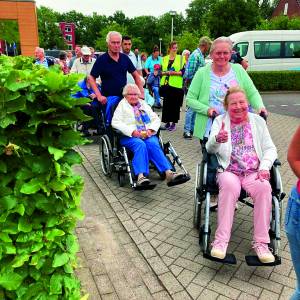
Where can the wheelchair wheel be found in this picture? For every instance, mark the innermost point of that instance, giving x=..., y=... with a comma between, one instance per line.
x=106, y=158
x=121, y=179
x=197, y=200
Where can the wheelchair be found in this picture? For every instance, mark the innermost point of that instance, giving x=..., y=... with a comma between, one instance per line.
x=117, y=159
x=206, y=187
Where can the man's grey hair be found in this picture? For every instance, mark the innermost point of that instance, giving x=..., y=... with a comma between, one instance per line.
x=221, y=39
x=40, y=50
x=205, y=41
x=111, y=33
x=129, y=86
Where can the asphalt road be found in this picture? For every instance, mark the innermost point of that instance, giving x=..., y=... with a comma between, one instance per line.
x=283, y=103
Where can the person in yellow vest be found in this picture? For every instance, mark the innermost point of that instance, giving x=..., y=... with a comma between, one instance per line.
x=171, y=86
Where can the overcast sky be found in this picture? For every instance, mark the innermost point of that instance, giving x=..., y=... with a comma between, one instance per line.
x=131, y=8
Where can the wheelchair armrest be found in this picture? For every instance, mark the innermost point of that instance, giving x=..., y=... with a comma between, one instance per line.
x=276, y=163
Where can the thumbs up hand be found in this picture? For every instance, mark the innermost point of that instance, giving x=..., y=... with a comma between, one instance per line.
x=222, y=136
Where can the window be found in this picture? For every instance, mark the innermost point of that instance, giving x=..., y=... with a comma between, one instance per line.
x=292, y=49
x=267, y=50
x=242, y=48
x=69, y=37
x=70, y=47
x=68, y=29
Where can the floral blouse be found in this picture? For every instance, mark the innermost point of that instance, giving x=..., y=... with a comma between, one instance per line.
x=244, y=159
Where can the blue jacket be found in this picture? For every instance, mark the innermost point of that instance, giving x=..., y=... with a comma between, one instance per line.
x=153, y=80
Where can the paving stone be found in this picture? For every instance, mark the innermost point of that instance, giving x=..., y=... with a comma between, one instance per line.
x=181, y=295
x=142, y=292
x=103, y=284
x=175, y=269
x=194, y=290
x=147, y=250
x=245, y=287
x=157, y=265
x=152, y=283
x=208, y=295
x=245, y=296
x=186, y=277
x=161, y=296
x=267, y=295
x=266, y=284
x=170, y=282
x=286, y=293
x=88, y=284
x=112, y=296
x=224, y=289
x=283, y=280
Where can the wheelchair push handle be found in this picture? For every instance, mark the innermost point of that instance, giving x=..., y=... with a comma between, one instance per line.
x=263, y=115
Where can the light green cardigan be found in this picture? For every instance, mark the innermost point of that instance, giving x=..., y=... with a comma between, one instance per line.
x=199, y=90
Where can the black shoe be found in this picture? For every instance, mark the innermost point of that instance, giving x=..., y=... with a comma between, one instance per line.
x=187, y=136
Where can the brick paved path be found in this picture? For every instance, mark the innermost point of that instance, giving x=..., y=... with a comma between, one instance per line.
x=142, y=245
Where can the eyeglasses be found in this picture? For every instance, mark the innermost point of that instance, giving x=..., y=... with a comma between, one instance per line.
x=132, y=94
x=225, y=53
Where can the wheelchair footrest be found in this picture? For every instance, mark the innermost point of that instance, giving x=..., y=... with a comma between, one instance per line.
x=150, y=186
x=252, y=260
x=179, y=180
x=229, y=258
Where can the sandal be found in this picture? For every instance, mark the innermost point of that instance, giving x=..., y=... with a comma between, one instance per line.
x=177, y=178
x=143, y=181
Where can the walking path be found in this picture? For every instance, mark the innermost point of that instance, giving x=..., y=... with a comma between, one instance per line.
x=142, y=245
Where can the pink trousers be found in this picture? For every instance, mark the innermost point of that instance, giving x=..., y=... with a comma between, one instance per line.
x=229, y=191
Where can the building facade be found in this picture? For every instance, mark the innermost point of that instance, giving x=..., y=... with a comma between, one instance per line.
x=290, y=8
x=68, y=32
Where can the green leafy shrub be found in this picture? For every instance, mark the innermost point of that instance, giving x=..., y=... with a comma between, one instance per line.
x=39, y=193
x=276, y=80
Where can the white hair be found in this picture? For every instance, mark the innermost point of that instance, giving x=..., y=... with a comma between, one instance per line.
x=40, y=50
x=186, y=51
x=132, y=86
x=111, y=33
x=221, y=39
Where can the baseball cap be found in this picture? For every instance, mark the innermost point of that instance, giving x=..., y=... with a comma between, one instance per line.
x=85, y=51
x=156, y=67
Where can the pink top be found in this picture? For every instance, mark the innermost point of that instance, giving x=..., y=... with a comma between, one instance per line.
x=298, y=186
x=243, y=159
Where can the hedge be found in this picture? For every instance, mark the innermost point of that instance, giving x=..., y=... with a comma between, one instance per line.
x=276, y=80
x=39, y=192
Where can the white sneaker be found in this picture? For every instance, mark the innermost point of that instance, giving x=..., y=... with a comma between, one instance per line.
x=263, y=253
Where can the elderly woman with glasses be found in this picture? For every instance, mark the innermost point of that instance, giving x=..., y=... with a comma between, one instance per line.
x=139, y=125
x=245, y=152
x=210, y=84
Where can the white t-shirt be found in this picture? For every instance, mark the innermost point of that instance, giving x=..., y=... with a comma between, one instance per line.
x=137, y=64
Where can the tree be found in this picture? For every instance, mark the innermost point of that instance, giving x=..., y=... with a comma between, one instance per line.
x=280, y=23
x=138, y=26
x=49, y=32
x=187, y=40
x=227, y=17
x=266, y=8
x=101, y=41
x=9, y=31
x=197, y=13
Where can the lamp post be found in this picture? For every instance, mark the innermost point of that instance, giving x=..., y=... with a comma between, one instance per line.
x=172, y=13
x=160, y=39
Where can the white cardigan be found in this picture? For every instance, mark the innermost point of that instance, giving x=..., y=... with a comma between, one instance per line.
x=263, y=144
x=124, y=120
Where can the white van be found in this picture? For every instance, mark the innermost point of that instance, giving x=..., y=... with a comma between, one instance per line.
x=269, y=50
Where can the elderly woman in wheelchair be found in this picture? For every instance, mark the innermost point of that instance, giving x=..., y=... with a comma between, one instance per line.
x=245, y=152
x=139, y=125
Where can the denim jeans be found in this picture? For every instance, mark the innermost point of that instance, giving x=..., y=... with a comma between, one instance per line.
x=292, y=228
x=155, y=90
x=189, y=122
